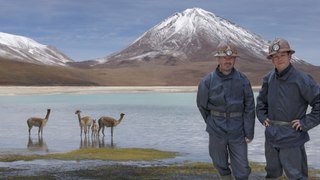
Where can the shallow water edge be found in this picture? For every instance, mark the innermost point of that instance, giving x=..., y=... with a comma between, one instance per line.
x=45, y=90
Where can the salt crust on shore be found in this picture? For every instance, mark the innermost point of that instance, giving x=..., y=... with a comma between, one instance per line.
x=45, y=90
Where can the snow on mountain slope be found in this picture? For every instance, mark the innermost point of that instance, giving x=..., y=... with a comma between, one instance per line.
x=189, y=35
x=24, y=49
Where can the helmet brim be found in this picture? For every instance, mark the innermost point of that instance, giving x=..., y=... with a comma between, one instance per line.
x=225, y=55
x=281, y=50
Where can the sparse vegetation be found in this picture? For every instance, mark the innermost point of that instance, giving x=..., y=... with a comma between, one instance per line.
x=127, y=154
x=187, y=170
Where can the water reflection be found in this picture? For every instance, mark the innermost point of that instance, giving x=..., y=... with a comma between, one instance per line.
x=86, y=142
x=103, y=144
x=95, y=142
x=39, y=145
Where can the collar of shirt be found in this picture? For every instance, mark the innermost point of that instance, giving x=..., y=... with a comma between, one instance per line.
x=281, y=75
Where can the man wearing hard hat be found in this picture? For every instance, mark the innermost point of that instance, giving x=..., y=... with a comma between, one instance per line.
x=226, y=103
x=281, y=107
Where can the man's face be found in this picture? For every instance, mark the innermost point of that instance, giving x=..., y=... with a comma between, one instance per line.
x=226, y=63
x=281, y=60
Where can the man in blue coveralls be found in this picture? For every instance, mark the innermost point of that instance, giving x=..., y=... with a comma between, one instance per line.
x=281, y=107
x=226, y=103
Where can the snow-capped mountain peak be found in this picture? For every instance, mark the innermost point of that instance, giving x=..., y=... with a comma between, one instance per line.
x=24, y=49
x=18, y=41
x=191, y=35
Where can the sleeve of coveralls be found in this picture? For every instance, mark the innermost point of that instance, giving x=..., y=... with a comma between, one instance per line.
x=202, y=98
x=249, y=111
x=311, y=93
x=262, y=101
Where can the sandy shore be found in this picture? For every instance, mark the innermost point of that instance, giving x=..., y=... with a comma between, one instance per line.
x=43, y=90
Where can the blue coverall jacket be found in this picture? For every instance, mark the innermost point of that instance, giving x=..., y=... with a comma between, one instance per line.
x=285, y=97
x=227, y=94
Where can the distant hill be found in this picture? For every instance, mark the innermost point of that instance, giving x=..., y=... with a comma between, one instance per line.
x=22, y=73
x=23, y=49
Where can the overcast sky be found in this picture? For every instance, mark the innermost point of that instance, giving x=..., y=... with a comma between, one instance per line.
x=85, y=29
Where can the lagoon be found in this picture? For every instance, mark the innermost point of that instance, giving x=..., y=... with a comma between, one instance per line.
x=159, y=120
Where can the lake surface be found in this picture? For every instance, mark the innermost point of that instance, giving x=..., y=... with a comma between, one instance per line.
x=164, y=121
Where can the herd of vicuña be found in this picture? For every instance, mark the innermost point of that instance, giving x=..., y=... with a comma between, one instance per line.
x=86, y=123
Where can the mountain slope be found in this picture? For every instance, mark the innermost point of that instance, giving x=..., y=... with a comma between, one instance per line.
x=190, y=36
x=21, y=73
x=23, y=49
x=178, y=51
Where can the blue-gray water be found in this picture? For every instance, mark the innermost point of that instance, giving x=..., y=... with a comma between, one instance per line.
x=164, y=121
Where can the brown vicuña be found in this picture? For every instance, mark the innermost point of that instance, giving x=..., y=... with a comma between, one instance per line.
x=38, y=122
x=84, y=122
x=94, y=129
x=109, y=122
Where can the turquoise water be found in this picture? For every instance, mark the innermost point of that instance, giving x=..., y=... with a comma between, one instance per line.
x=165, y=121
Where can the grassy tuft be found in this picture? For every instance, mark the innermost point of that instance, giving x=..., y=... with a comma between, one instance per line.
x=126, y=154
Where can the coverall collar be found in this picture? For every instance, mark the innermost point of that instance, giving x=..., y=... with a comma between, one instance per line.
x=284, y=73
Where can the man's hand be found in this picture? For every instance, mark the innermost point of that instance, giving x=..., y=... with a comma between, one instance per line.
x=266, y=122
x=296, y=124
x=248, y=140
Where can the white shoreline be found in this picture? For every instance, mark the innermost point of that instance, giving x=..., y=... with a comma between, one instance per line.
x=47, y=90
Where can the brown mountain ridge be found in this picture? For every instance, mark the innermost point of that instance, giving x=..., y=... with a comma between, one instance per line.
x=146, y=74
